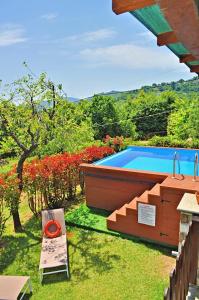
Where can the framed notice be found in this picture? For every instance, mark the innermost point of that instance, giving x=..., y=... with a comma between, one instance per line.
x=146, y=214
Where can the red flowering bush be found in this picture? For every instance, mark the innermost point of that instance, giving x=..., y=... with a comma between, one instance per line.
x=2, y=215
x=92, y=154
x=51, y=181
x=117, y=143
x=9, y=196
x=95, y=153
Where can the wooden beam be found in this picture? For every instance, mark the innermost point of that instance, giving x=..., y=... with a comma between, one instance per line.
x=166, y=38
x=122, y=6
x=187, y=58
x=195, y=69
x=184, y=21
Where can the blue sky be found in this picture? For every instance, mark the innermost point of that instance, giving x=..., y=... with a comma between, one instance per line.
x=83, y=45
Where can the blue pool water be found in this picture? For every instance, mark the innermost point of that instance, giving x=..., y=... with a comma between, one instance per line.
x=152, y=159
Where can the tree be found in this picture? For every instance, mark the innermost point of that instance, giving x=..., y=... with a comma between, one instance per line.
x=70, y=131
x=25, y=119
x=184, y=121
x=104, y=116
x=150, y=112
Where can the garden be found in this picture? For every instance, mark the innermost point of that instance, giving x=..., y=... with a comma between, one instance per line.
x=117, y=263
x=102, y=266
x=44, y=139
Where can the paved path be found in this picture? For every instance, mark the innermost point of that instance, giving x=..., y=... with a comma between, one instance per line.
x=193, y=293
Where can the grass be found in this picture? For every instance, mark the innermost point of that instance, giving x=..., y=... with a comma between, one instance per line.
x=10, y=163
x=101, y=266
x=89, y=218
x=8, y=166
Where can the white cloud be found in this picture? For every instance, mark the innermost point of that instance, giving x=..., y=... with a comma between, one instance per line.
x=93, y=36
x=49, y=16
x=147, y=35
x=130, y=56
x=11, y=34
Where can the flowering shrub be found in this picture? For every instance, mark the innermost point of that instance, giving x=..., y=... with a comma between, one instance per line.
x=2, y=216
x=51, y=181
x=92, y=154
x=9, y=196
x=95, y=153
x=117, y=143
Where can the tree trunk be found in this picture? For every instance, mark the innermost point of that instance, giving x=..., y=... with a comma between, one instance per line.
x=20, y=164
x=16, y=221
x=15, y=211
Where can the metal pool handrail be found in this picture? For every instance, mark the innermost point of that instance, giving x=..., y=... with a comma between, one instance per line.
x=195, y=167
x=175, y=158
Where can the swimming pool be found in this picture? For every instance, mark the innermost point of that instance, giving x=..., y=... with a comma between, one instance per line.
x=152, y=159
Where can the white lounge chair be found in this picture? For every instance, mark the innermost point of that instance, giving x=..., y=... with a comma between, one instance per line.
x=54, y=250
x=12, y=286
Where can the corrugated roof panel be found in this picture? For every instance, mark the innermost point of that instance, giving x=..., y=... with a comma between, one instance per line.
x=153, y=19
x=178, y=49
x=193, y=63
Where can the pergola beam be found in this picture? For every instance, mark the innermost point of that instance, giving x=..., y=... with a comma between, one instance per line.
x=122, y=6
x=166, y=38
x=194, y=69
x=187, y=58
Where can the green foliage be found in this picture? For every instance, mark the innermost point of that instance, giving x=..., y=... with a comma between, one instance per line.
x=104, y=116
x=11, y=191
x=181, y=87
x=109, y=119
x=172, y=141
x=67, y=132
x=9, y=197
x=184, y=121
x=3, y=218
x=116, y=143
x=150, y=112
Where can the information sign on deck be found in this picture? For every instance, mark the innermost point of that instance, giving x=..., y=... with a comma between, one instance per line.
x=146, y=214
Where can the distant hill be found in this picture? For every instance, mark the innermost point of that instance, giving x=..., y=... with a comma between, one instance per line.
x=72, y=99
x=180, y=86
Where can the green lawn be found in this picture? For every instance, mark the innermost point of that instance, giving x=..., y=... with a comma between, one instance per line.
x=89, y=218
x=102, y=266
x=8, y=166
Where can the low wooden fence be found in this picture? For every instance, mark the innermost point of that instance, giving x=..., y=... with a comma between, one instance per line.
x=185, y=272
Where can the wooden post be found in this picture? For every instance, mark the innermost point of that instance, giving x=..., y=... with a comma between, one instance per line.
x=195, y=251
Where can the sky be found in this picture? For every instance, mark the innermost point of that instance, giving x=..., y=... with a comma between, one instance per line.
x=83, y=45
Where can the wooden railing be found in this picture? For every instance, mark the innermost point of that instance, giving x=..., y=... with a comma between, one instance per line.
x=185, y=272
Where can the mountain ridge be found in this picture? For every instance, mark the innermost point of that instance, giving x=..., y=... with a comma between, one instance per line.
x=180, y=86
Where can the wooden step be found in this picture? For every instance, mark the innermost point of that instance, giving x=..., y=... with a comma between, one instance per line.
x=112, y=217
x=122, y=210
x=144, y=197
x=132, y=204
x=155, y=191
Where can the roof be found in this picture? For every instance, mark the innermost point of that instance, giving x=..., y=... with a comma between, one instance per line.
x=175, y=24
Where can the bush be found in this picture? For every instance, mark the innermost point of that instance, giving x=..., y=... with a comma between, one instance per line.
x=9, y=197
x=94, y=153
x=52, y=181
x=2, y=215
x=116, y=143
x=171, y=141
